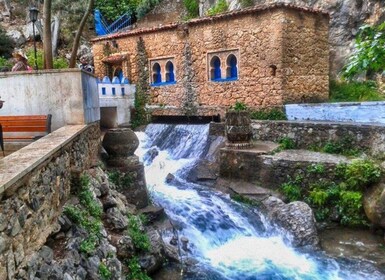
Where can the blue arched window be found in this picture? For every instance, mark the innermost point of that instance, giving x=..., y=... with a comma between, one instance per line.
x=156, y=74
x=170, y=76
x=232, y=68
x=215, y=72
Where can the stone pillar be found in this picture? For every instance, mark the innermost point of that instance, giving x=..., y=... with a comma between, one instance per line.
x=120, y=144
x=238, y=130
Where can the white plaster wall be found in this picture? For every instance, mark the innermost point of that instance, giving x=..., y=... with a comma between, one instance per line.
x=70, y=95
x=123, y=104
x=364, y=112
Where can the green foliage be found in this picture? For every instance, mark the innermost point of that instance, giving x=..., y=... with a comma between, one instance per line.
x=135, y=271
x=120, y=179
x=318, y=197
x=58, y=63
x=192, y=7
x=268, y=114
x=359, y=174
x=220, y=7
x=286, y=143
x=293, y=189
x=137, y=234
x=104, y=272
x=239, y=107
x=88, y=245
x=345, y=146
x=369, y=54
x=354, y=91
x=316, y=168
x=243, y=199
x=5, y=63
x=6, y=44
x=350, y=208
x=142, y=87
x=144, y=7
x=246, y=3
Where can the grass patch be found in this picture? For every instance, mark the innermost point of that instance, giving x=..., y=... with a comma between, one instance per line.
x=354, y=91
x=345, y=146
x=137, y=234
x=273, y=114
x=135, y=271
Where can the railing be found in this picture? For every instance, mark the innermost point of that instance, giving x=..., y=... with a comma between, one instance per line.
x=103, y=28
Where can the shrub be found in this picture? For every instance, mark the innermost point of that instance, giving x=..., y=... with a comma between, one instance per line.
x=135, y=271
x=5, y=63
x=268, y=114
x=354, y=91
x=220, y=7
x=104, y=271
x=192, y=7
x=286, y=143
x=350, y=208
x=138, y=236
x=291, y=190
x=359, y=174
x=239, y=107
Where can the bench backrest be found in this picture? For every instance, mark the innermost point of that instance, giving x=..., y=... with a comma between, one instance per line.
x=32, y=123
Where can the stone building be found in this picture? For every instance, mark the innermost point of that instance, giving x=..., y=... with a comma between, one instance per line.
x=262, y=56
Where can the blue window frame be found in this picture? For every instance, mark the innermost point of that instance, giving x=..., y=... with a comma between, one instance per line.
x=232, y=68
x=215, y=65
x=156, y=74
x=170, y=76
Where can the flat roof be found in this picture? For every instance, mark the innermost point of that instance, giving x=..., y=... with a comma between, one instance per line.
x=207, y=19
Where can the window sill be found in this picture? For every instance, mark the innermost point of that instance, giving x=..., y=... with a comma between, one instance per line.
x=224, y=80
x=162, y=84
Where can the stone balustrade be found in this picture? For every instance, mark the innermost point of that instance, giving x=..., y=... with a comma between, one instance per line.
x=34, y=185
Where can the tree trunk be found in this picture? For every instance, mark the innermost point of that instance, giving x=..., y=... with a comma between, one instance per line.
x=48, y=59
x=79, y=33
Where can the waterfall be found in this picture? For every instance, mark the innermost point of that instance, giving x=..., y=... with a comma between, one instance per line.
x=226, y=240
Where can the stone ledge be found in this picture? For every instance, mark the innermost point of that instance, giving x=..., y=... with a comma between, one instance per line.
x=20, y=163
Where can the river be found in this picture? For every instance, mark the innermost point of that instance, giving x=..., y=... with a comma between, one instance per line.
x=226, y=240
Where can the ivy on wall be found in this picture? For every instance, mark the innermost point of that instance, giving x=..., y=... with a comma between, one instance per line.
x=142, y=86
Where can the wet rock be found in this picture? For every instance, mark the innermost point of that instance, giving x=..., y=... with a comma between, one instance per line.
x=296, y=218
x=92, y=267
x=116, y=219
x=374, y=204
x=152, y=213
x=169, y=178
x=150, y=155
x=154, y=259
x=204, y=172
x=120, y=142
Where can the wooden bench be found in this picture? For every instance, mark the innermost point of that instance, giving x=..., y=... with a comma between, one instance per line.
x=23, y=128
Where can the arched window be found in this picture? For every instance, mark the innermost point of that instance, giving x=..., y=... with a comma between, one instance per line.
x=231, y=67
x=118, y=73
x=215, y=71
x=156, y=74
x=170, y=77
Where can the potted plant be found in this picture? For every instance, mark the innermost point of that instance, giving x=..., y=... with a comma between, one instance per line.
x=238, y=128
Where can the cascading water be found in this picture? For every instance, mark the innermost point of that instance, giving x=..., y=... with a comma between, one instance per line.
x=227, y=240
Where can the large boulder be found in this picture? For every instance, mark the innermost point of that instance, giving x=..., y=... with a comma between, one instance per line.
x=374, y=204
x=296, y=218
x=120, y=142
x=17, y=37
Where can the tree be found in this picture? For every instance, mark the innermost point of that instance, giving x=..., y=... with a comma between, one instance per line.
x=48, y=58
x=369, y=53
x=75, y=45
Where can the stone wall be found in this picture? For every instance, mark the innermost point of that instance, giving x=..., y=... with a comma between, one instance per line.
x=266, y=76
x=368, y=137
x=34, y=185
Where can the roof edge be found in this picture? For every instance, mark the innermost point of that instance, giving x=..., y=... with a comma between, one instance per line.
x=192, y=22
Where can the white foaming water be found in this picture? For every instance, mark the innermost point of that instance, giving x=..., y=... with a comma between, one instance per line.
x=225, y=238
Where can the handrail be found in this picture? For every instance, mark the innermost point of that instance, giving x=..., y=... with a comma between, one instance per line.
x=103, y=28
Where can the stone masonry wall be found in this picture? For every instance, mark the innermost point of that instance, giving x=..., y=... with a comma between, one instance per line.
x=305, y=57
x=368, y=137
x=34, y=185
x=258, y=39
